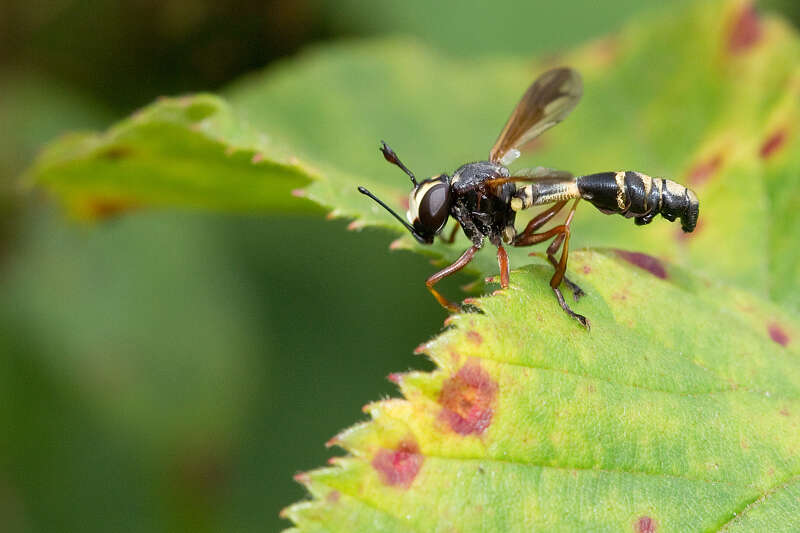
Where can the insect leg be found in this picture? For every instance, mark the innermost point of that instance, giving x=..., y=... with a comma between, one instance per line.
x=562, y=264
x=460, y=263
x=502, y=260
x=577, y=292
x=558, y=276
x=560, y=235
x=537, y=222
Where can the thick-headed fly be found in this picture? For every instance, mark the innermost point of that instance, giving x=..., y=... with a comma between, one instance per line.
x=483, y=197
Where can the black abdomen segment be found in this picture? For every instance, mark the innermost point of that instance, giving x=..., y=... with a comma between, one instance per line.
x=641, y=197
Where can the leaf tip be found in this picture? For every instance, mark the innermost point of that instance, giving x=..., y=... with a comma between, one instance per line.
x=422, y=348
x=303, y=478
x=355, y=225
x=396, y=377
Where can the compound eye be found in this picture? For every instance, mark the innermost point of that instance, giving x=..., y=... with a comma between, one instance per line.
x=434, y=206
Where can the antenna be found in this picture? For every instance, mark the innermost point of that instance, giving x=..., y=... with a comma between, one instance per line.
x=391, y=157
x=408, y=226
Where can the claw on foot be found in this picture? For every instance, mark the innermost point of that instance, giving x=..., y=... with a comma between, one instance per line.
x=580, y=318
x=471, y=308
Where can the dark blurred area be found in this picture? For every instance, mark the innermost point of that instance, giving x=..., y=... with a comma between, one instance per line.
x=171, y=371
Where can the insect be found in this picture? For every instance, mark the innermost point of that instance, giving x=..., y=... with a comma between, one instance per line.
x=483, y=197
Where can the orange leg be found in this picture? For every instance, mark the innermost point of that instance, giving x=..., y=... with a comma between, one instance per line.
x=562, y=264
x=460, y=263
x=502, y=260
x=577, y=292
x=560, y=235
x=537, y=222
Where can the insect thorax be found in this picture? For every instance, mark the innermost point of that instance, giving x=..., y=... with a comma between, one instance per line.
x=483, y=210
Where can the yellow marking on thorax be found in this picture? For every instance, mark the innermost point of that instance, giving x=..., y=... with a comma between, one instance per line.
x=564, y=191
x=524, y=202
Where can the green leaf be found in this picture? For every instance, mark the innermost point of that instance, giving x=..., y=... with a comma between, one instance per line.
x=694, y=93
x=672, y=419
x=685, y=94
x=191, y=151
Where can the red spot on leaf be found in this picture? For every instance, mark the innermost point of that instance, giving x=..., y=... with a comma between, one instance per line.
x=772, y=143
x=395, y=377
x=333, y=496
x=354, y=225
x=257, y=158
x=644, y=261
x=400, y=466
x=587, y=269
x=746, y=30
x=784, y=412
x=298, y=193
x=701, y=172
x=302, y=478
x=475, y=337
x=645, y=524
x=467, y=400
x=777, y=333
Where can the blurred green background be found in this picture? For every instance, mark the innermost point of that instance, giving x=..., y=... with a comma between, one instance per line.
x=171, y=371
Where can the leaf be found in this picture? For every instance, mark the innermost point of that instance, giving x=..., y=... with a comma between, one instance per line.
x=698, y=118
x=191, y=151
x=724, y=75
x=505, y=26
x=676, y=412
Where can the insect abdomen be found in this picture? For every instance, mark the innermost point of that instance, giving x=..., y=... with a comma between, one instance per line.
x=641, y=197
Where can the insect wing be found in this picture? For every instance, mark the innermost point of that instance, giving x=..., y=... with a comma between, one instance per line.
x=533, y=174
x=546, y=103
